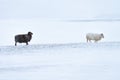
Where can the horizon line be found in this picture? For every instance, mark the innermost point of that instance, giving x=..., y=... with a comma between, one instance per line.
x=92, y=20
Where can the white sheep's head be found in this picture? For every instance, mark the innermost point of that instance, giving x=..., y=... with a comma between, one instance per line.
x=102, y=35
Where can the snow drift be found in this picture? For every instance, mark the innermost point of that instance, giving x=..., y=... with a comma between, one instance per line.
x=74, y=61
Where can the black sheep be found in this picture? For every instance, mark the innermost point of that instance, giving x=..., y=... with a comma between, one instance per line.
x=23, y=38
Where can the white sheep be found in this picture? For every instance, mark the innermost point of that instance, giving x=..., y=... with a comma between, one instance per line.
x=94, y=36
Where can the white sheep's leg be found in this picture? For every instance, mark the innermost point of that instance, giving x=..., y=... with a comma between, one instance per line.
x=90, y=41
x=87, y=40
x=95, y=41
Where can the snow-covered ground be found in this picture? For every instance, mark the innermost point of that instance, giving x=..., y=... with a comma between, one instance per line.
x=73, y=61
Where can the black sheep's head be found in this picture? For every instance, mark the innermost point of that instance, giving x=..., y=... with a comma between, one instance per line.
x=30, y=33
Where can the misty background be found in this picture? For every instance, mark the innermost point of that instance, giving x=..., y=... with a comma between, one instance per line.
x=58, y=21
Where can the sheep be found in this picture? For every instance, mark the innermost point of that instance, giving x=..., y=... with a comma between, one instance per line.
x=23, y=38
x=94, y=36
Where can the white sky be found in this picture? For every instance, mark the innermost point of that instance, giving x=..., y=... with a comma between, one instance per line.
x=58, y=8
x=42, y=17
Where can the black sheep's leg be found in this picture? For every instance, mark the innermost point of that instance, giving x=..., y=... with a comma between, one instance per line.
x=15, y=43
x=26, y=43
